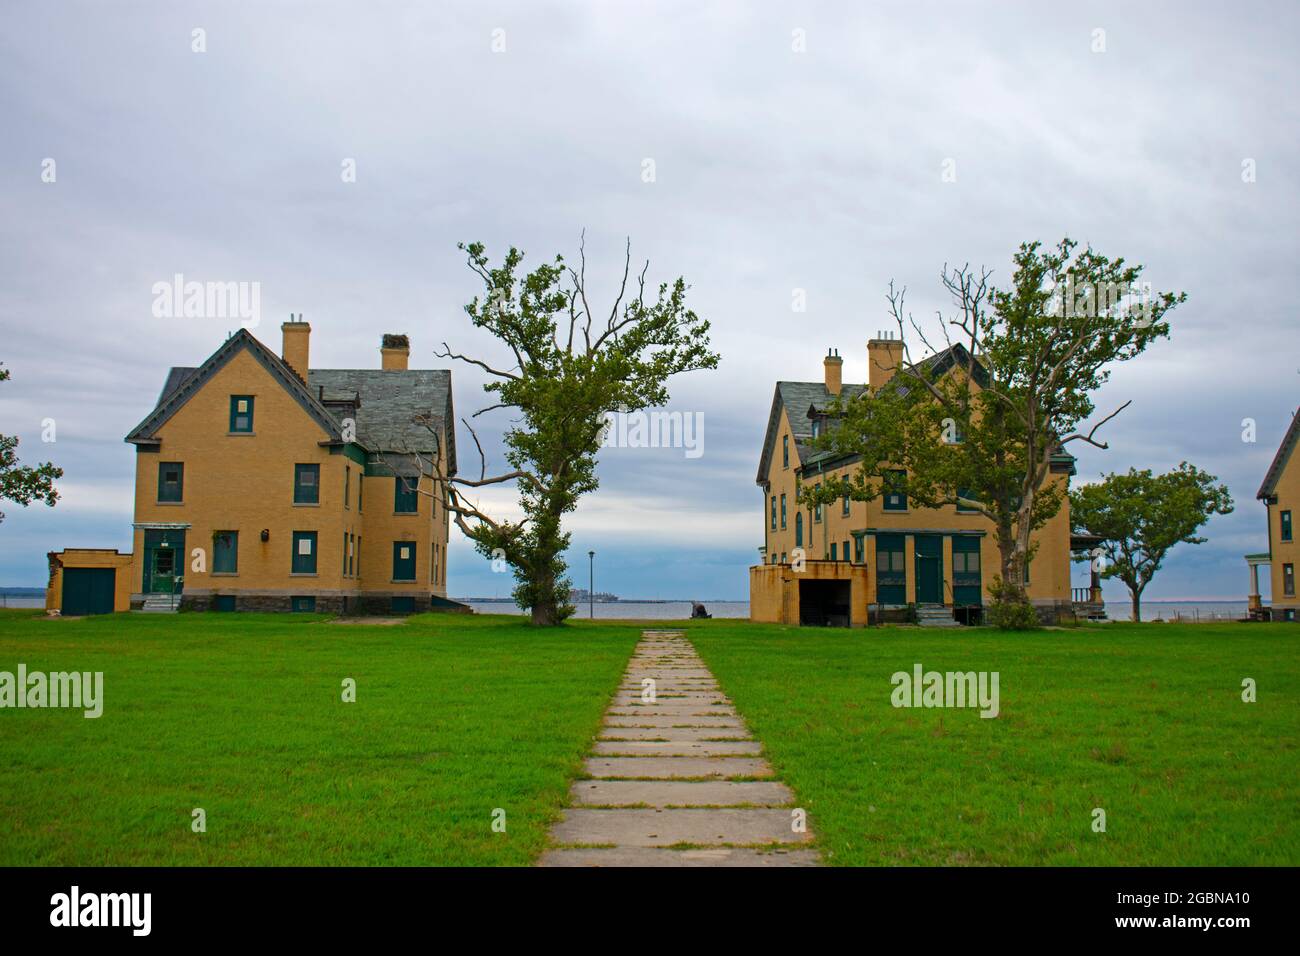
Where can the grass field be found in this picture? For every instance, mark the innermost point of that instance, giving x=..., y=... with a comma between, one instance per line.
x=455, y=716
x=1146, y=722
x=242, y=716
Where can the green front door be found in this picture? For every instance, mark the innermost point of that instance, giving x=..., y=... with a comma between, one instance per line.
x=929, y=569
x=164, y=552
x=163, y=576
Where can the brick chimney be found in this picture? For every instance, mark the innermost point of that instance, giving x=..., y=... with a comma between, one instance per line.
x=884, y=357
x=296, y=344
x=834, y=366
x=395, y=352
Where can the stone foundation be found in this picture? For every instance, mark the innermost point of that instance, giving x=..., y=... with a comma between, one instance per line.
x=332, y=602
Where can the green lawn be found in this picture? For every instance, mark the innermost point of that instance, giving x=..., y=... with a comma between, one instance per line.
x=1143, y=721
x=242, y=716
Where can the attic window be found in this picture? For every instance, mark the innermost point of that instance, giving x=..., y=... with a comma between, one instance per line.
x=241, y=414
x=816, y=427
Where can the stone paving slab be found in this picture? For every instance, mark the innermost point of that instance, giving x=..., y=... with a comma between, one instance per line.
x=646, y=856
x=680, y=734
x=678, y=748
x=679, y=769
x=667, y=768
x=681, y=711
x=680, y=721
x=634, y=827
x=682, y=793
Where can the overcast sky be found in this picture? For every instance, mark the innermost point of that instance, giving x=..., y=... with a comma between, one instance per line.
x=794, y=147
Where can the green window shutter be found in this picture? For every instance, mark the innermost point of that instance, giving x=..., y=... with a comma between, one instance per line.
x=347, y=485
x=1286, y=526
x=171, y=481
x=845, y=552
x=304, y=552
x=306, y=484
x=834, y=551
x=225, y=552
x=403, y=560
x=798, y=529
x=783, y=512
x=241, y=413
x=406, y=497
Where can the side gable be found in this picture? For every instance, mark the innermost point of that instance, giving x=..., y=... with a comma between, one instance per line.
x=1289, y=441
x=769, y=439
x=184, y=384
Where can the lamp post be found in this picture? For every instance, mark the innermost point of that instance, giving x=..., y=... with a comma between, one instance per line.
x=591, y=585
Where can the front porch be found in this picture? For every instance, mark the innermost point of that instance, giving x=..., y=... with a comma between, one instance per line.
x=1255, y=608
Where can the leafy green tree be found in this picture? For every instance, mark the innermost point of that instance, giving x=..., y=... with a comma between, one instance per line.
x=570, y=367
x=982, y=425
x=1142, y=516
x=22, y=483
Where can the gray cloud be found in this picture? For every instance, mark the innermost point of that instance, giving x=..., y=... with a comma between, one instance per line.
x=775, y=171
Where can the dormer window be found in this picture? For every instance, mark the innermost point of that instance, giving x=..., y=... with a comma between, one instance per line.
x=816, y=428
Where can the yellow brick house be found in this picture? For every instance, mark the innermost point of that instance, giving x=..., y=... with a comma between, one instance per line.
x=1280, y=492
x=873, y=559
x=264, y=484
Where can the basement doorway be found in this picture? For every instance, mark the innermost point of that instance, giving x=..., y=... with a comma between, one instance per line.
x=824, y=603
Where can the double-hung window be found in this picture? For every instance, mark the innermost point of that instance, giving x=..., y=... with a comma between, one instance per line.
x=895, y=495
x=225, y=552
x=171, y=481
x=241, y=414
x=306, y=484
x=406, y=499
x=304, y=552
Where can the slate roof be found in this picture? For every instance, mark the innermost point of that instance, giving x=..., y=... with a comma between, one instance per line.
x=390, y=400
x=392, y=404
x=1289, y=441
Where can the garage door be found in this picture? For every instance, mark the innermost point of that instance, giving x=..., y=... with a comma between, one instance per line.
x=88, y=590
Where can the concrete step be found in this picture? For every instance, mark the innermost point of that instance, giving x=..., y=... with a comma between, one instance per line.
x=677, y=748
x=677, y=768
x=679, y=734
x=654, y=856
x=666, y=721
x=668, y=827
x=681, y=793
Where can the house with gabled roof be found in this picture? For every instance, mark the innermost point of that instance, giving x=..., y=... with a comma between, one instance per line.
x=858, y=561
x=1280, y=492
x=265, y=484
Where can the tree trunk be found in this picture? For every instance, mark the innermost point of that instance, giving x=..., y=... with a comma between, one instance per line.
x=546, y=615
x=1137, y=605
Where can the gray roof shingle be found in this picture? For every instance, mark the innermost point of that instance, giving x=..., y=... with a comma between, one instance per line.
x=393, y=404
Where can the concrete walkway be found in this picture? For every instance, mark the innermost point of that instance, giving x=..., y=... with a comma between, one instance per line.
x=675, y=778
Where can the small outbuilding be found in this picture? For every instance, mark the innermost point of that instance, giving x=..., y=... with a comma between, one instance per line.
x=89, y=581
